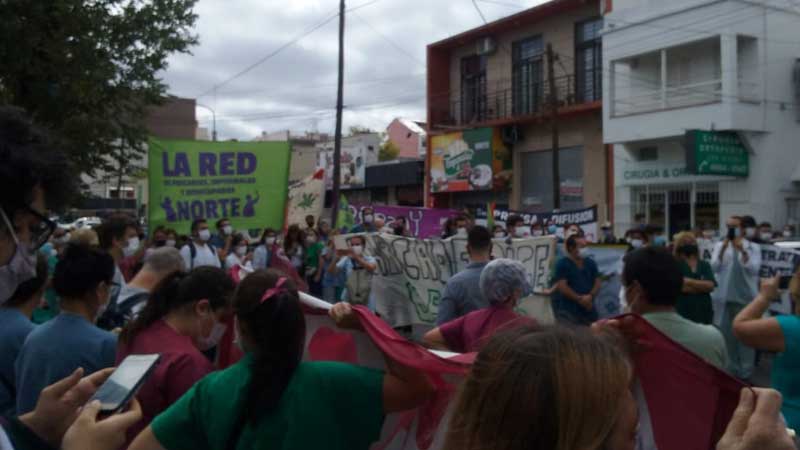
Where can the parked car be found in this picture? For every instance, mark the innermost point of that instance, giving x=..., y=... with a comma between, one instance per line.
x=82, y=222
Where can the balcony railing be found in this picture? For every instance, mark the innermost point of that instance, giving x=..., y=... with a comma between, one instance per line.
x=509, y=101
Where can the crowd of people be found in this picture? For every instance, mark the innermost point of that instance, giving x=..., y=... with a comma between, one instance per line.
x=118, y=291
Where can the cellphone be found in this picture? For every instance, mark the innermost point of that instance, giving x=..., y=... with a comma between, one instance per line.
x=731, y=234
x=783, y=284
x=118, y=390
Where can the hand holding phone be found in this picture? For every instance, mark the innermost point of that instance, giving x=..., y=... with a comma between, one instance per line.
x=115, y=394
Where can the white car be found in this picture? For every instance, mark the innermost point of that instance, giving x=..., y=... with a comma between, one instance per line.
x=83, y=222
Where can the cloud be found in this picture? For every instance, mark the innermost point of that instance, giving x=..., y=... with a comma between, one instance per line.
x=296, y=89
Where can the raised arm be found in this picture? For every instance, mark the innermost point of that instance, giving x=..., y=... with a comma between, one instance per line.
x=755, y=331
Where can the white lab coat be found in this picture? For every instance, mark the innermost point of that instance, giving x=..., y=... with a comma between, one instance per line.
x=724, y=267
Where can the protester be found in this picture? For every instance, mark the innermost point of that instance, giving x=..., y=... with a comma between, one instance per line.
x=266, y=249
x=572, y=229
x=577, y=283
x=608, y=234
x=55, y=349
x=751, y=229
x=400, y=226
x=198, y=252
x=636, y=239
x=788, y=232
x=221, y=239
x=323, y=230
x=272, y=398
x=765, y=232
x=49, y=308
x=119, y=237
x=537, y=230
x=736, y=262
x=653, y=281
x=448, y=228
x=367, y=224
x=186, y=314
x=309, y=222
x=551, y=388
x=499, y=232
x=655, y=235
x=312, y=263
x=172, y=238
x=34, y=174
x=332, y=283
x=294, y=247
x=358, y=269
x=515, y=226
x=380, y=225
x=502, y=284
x=781, y=335
x=240, y=255
x=698, y=281
x=552, y=228
x=15, y=325
x=462, y=294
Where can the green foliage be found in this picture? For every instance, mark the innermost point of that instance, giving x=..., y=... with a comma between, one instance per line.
x=357, y=129
x=90, y=70
x=388, y=151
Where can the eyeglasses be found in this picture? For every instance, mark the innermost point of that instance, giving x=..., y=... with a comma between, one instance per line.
x=41, y=230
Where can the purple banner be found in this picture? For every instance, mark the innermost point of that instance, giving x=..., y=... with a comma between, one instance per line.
x=422, y=222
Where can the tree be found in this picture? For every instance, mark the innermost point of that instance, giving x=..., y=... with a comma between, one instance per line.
x=388, y=151
x=89, y=70
x=357, y=129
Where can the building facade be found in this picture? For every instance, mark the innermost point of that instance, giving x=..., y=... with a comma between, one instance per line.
x=305, y=151
x=489, y=113
x=701, y=106
x=409, y=137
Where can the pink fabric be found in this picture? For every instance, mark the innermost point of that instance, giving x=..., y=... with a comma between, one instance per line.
x=469, y=332
x=280, y=262
x=181, y=366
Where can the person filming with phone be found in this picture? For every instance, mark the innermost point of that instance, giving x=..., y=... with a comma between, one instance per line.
x=780, y=334
x=736, y=262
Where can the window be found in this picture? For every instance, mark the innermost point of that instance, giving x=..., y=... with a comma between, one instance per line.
x=473, y=88
x=537, y=184
x=648, y=154
x=588, y=60
x=527, y=75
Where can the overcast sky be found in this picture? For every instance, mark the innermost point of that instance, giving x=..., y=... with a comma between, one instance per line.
x=296, y=89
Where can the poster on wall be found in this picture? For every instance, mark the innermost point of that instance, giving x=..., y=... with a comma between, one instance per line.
x=469, y=160
x=243, y=181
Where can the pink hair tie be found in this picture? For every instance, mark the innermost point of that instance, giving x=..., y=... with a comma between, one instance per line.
x=271, y=292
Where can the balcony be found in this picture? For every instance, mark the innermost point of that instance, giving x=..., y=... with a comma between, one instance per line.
x=507, y=102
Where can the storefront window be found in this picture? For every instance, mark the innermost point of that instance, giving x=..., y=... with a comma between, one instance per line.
x=678, y=207
x=536, y=194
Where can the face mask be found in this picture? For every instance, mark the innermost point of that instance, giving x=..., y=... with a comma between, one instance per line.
x=766, y=236
x=584, y=252
x=750, y=233
x=538, y=232
x=637, y=243
x=241, y=251
x=552, y=229
x=228, y=230
x=204, y=235
x=213, y=338
x=499, y=235
x=688, y=249
x=368, y=218
x=270, y=241
x=787, y=233
x=737, y=232
x=708, y=234
x=20, y=269
x=357, y=249
x=660, y=241
x=170, y=243
x=462, y=232
x=520, y=231
x=130, y=249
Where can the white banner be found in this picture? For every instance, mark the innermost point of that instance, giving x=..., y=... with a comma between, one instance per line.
x=412, y=273
x=305, y=197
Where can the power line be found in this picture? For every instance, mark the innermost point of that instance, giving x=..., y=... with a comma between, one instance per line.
x=478, y=8
x=391, y=42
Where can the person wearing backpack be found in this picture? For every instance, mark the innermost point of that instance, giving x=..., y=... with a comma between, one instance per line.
x=358, y=269
x=198, y=252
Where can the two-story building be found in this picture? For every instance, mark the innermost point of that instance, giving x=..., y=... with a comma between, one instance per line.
x=701, y=105
x=490, y=118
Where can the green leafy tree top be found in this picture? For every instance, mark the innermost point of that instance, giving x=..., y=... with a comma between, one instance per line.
x=388, y=151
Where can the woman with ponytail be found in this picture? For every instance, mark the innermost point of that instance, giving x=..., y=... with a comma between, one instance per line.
x=271, y=399
x=183, y=316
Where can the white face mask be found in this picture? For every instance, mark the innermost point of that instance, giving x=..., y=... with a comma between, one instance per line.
x=520, y=231
x=462, y=232
x=538, y=233
x=708, y=234
x=310, y=240
x=21, y=267
x=170, y=243
x=204, y=235
x=228, y=230
x=787, y=233
x=583, y=252
x=637, y=243
x=499, y=235
x=213, y=338
x=241, y=251
x=270, y=240
x=766, y=236
x=357, y=249
x=369, y=218
x=130, y=249
x=750, y=233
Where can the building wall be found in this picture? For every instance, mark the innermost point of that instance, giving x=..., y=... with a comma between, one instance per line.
x=304, y=161
x=175, y=119
x=407, y=141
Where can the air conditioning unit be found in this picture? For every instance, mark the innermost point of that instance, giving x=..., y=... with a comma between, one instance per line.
x=486, y=46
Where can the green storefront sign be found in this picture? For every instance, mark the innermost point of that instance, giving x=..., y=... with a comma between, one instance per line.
x=716, y=153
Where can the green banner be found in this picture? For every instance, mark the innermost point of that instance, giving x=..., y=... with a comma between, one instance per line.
x=716, y=153
x=243, y=181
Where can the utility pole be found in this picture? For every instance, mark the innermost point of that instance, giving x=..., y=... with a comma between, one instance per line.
x=553, y=100
x=337, y=143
